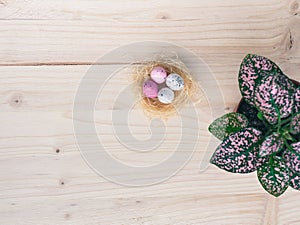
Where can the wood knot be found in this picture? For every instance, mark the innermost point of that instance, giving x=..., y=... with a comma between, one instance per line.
x=67, y=216
x=16, y=100
x=61, y=182
x=294, y=8
x=290, y=42
x=162, y=16
x=3, y=3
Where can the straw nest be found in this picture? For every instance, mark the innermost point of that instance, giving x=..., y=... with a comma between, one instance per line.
x=153, y=107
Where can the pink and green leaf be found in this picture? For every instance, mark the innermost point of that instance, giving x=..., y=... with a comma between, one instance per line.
x=272, y=144
x=297, y=100
x=238, y=153
x=228, y=124
x=295, y=124
x=296, y=147
x=294, y=176
x=274, y=97
x=253, y=68
x=295, y=180
x=274, y=176
x=292, y=157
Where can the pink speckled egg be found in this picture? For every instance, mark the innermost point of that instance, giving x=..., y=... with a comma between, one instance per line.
x=150, y=89
x=158, y=74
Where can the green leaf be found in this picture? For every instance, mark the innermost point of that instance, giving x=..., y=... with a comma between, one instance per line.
x=260, y=116
x=295, y=124
x=253, y=68
x=297, y=100
x=292, y=162
x=295, y=180
x=272, y=144
x=274, y=97
x=238, y=153
x=292, y=157
x=274, y=176
x=228, y=124
x=251, y=113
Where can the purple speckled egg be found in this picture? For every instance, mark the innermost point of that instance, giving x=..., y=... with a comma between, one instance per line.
x=150, y=89
x=158, y=74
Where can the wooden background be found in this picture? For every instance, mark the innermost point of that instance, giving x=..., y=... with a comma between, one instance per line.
x=46, y=47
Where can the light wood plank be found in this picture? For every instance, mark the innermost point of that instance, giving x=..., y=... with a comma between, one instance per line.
x=266, y=30
x=197, y=209
x=46, y=48
x=139, y=10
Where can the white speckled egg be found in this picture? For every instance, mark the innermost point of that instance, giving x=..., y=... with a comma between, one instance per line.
x=175, y=82
x=165, y=95
x=158, y=74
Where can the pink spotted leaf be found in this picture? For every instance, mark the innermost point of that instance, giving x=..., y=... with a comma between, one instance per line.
x=228, y=124
x=272, y=144
x=292, y=157
x=238, y=153
x=294, y=176
x=274, y=97
x=295, y=124
x=274, y=176
x=297, y=100
x=295, y=180
x=296, y=147
x=253, y=68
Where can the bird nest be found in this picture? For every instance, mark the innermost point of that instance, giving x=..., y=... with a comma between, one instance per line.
x=152, y=106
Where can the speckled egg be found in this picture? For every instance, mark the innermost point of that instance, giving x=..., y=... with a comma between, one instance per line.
x=150, y=89
x=158, y=74
x=165, y=95
x=175, y=82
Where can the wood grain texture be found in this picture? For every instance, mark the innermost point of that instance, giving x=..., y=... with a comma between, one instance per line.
x=46, y=48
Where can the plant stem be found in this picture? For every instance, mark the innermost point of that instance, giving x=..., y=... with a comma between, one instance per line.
x=286, y=125
x=271, y=160
x=278, y=115
x=287, y=120
x=266, y=124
